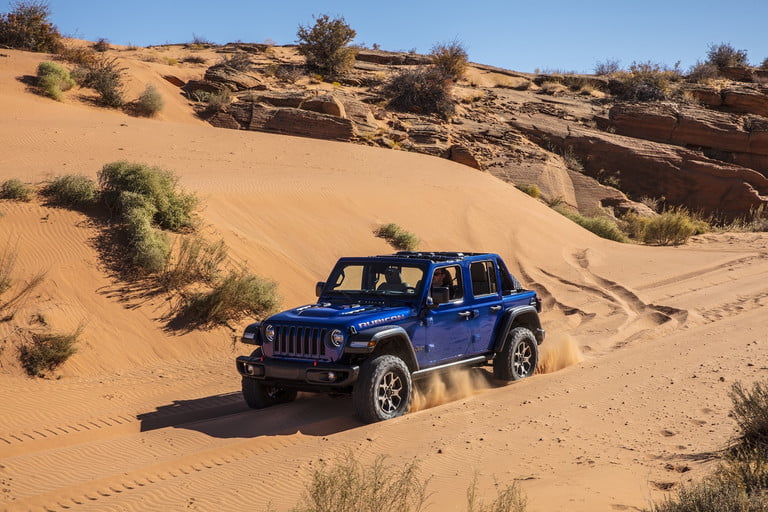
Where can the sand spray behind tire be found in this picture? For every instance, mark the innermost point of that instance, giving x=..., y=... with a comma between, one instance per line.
x=557, y=352
x=447, y=387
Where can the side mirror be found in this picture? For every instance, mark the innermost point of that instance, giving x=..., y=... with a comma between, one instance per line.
x=319, y=288
x=440, y=295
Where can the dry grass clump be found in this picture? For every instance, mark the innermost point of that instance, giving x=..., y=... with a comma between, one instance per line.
x=16, y=190
x=196, y=261
x=102, y=45
x=607, y=67
x=47, y=352
x=645, y=81
x=53, y=79
x=150, y=102
x=450, y=59
x=71, y=191
x=8, y=306
x=424, y=90
x=397, y=237
x=531, y=190
x=238, y=294
x=238, y=61
x=508, y=499
x=27, y=27
x=741, y=480
x=553, y=88
x=326, y=46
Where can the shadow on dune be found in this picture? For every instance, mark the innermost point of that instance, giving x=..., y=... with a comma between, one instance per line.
x=227, y=416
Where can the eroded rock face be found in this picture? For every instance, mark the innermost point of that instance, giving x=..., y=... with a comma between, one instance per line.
x=654, y=169
x=291, y=121
x=231, y=78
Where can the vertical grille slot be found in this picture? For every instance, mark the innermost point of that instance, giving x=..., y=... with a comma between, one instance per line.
x=300, y=341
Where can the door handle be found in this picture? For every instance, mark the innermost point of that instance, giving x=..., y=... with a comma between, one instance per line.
x=495, y=308
x=465, y=314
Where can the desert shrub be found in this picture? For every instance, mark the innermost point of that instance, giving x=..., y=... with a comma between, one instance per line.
x=710, y=495
x=148, y=249
x=647, y=81
x=16, y=190
x=71, y=191
x=750, y=411
x=673, y=227
x=8, y=257
x=172, y=208
x=239, y=61
x=194, y=59
x=216, y=102
x=397, y=237
x=764, y=64
x=703, y=71
x=724, y=55
x=326, y=46
x=80, y=55
x=27, y=27
x=150, y=102
x=105, y=77
x=531, y=190
x=423, y=90
x=634, y=225
x=47, y=352
x=102, y=45
x=195, y=261
x=450, y=58
x=601, y=226
x=508, y=499
x=238, y=294
x=349, y=486
x=607, y=67
x=53, y=79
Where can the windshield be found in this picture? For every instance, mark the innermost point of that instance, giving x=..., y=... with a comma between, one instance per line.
x=375, y=278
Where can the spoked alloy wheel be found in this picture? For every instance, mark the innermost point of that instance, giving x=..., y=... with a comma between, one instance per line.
x=383, y=390
x=519, y=357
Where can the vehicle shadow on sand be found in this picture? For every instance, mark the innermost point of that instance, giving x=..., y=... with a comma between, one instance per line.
x=227, y=416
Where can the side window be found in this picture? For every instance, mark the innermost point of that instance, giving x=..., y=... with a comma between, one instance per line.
x=483, y=278
x=449, y=277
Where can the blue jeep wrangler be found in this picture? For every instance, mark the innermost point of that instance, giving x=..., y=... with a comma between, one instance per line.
x=382, y=322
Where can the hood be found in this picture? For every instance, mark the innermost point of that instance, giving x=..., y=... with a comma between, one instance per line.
x=341, y=316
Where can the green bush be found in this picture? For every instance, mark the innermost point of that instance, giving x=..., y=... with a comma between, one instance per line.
x=27, y=27
x=16, y=190
x=423, y=90
x=724, y=55
x=47, y=352
x=450, y=58
x=172, y=208
x=673, y=227
x=326, y=46
x=238, y=294
x=148, y=249
x=601, y=226
x=105, y=77
x=71, y=191
x=53, y=79
x=150, y=102
x=397, y=237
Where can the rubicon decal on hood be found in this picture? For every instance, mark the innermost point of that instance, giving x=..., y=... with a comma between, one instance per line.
x=379, y=321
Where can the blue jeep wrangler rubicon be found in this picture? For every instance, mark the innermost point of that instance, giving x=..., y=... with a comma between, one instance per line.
x=382, y=322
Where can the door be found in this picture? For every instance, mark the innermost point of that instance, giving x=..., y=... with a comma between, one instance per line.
x=485, y=305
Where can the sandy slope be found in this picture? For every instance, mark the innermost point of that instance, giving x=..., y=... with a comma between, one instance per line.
x=146, y=418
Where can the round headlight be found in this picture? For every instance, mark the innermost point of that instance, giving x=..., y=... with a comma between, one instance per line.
x=337, y=338
x=269, y=333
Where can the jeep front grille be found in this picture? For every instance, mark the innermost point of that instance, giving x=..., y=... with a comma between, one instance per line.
x=298, y=341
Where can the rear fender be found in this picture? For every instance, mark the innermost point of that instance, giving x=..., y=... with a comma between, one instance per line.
x=521, y=316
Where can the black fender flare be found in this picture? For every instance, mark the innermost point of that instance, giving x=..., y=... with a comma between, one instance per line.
x=526, y=316
x=378, y=339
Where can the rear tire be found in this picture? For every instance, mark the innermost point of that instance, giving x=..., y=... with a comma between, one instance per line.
x=383, y=390
x=519, y=357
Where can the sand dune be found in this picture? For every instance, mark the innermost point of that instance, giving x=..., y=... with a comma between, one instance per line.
x=643, y=342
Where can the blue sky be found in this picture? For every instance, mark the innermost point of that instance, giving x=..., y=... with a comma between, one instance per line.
x=564, y=35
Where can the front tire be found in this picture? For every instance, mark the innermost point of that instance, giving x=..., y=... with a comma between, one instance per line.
x=519, y=357
x=258, y=395
x=383, y=390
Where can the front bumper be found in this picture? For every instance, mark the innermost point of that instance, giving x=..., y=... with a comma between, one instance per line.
x=300, y=375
